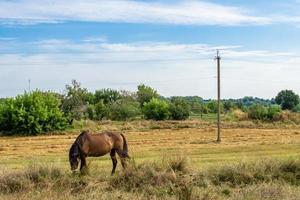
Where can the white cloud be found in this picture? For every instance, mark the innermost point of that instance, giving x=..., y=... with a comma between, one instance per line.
x=179, y=12
x=173, y=69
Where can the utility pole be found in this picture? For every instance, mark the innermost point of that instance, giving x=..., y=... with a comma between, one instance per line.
x=218, y=58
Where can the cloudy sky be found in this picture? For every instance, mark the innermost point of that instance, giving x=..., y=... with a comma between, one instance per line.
x=167, y=44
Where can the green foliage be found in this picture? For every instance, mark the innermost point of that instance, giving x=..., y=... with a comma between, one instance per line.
x=124, y=110
x=287, y=99
x=145, y=94
x=260, y=112
x=101, y=110
x=156, y=109
x=179, y=109
x=75, y=102
x=32, y=113
x=297, y=108
x=274, y=112
x=213, y=106
x=91, y=113
x=107, y=96
x=197, y=105
x=229, y=105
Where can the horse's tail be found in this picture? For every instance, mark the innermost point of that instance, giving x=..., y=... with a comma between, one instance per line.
x=125, y=147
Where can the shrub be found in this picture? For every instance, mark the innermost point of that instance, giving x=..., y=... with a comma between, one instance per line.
x=156, y=109
x=74, y=103
x=32, y=113
x=274, y=112
x=145, y=94
x=91, y=113
x=101, y=111
x=258, y=112
x=179, y=109
x=297, y=108
x=124, y=110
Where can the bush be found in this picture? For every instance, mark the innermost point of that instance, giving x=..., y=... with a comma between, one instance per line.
x=156, y=109
x=260, y=112
x=32, y=113
x=179, y=109
x=297, y=108
x=124, y=110
x=274, y=112
x=101, y=111
x=75, y=101
x=145, y=94
x=91, y=113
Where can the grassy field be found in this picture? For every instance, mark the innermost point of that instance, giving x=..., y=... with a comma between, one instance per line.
x=156, y=141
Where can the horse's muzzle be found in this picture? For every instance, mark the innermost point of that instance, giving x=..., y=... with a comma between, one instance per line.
x=73, y=168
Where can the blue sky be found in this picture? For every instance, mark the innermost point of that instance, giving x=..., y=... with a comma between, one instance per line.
x=169, y=45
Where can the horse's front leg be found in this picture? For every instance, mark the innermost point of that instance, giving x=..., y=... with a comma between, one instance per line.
x=82, y=162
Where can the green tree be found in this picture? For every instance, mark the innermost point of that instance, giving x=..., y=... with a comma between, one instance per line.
x=228, y=105
x=124, y=109
x=145, y=94
x=107, y=96
x=213, y=106
x=179, y=109
x=32, y=113
x=75, y=101
x=287, y=99
x=156, y=109
x=102, y=111
x=91, y=113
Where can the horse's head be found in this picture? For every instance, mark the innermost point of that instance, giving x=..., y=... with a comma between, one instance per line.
x=74, y=156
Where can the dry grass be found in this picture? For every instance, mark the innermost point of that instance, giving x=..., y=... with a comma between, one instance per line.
x=196, y=142
x=172, y=179
x=149, y=141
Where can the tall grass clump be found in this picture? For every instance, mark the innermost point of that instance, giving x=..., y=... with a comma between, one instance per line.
x=287, y=171
x=153, y=178
x=40, y=177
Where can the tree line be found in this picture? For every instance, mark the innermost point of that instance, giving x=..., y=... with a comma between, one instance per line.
x=39, y=112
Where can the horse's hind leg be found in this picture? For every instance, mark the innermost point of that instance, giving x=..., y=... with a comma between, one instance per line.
x=114, y=160
x=122, y=158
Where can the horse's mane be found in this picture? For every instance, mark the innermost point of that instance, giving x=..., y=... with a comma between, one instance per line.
x=78, y=143
x=80, y=138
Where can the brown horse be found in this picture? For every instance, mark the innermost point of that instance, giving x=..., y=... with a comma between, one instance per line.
x=95, y=145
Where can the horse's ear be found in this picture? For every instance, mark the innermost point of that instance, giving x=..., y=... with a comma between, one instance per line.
x=84, y=132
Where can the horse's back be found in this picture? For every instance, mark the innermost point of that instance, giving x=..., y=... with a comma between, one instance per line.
x=102, y=143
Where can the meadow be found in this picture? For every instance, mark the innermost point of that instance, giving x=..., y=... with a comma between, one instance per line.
x=152, y=143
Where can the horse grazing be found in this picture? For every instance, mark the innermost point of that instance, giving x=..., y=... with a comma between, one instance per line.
x=95, y=145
